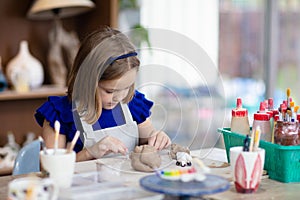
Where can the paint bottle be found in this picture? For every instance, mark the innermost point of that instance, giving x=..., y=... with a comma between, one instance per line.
x=262, y=119
x=274, y=114
x=276, y=118
x=298, y=121
x=239, y=119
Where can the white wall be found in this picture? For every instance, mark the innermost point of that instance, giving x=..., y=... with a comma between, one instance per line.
x=195, y=19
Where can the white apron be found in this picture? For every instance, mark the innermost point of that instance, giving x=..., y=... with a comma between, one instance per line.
x=127, y=133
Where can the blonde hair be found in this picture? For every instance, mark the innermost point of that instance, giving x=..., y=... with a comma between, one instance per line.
x=92, y=64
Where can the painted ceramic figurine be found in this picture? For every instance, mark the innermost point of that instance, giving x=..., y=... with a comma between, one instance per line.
x=181, y=155
x=183, y=159
x=191, y=173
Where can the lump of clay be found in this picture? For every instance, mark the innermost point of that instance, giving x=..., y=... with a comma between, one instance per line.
x=145, y=158
x=177, y=148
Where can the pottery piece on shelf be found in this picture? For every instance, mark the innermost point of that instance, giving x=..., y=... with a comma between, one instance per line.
x=3, y=82
x=24, y=71
x=61, y=42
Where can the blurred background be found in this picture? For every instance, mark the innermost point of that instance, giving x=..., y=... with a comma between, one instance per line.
x=252, y=43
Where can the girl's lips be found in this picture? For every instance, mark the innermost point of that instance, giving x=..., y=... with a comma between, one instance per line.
x=111, y=104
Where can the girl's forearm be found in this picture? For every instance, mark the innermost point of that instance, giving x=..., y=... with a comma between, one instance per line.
x=83, y=155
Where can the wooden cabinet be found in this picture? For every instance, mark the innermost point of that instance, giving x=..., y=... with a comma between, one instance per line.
x=17, y=110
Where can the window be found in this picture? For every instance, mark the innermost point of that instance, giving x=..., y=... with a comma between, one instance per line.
x=255, y=48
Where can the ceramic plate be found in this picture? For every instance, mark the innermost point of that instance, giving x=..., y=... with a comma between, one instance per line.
x=212, y=184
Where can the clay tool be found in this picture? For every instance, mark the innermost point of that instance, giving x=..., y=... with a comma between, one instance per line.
x=43, y=145
x=276, y=118
x=288, y=94
x=252, y=140
x=292, y=104
x=246, y=143
x=256, y=138
x=73, y=142
x=288, y=115
x=56, y=128
x=295, y=113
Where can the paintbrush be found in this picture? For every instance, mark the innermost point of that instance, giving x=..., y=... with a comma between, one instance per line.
x=288, y=94
x=73, y=142
x=43, y=145
x=251, y=141
x=292, y=104
x=294, y=117
x=256, y=138
x=56, y=128
x=246, y=143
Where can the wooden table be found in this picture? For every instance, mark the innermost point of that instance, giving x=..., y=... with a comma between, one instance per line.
x=216, y=160
x=6, y=171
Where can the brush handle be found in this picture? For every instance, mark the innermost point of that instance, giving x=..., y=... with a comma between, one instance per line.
x=57, y=129
x=71, y=147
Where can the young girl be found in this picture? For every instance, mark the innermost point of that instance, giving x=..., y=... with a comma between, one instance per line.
x=102, y=103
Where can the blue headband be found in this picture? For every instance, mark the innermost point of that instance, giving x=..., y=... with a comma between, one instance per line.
x=113, y=59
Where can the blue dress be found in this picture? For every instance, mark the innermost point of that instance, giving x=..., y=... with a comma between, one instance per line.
x=60, y=108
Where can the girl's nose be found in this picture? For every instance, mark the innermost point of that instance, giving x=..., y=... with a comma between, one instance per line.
x=119, y=96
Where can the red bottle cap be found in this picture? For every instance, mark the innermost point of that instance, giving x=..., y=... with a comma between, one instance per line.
x=284, y=102
x=270, y=104
x=275, y=112
x=283, y=107
x=262, y=106
x=276, y=117
x=239, y=103
x=298, y=117
x=239, y=113
x=261, y=116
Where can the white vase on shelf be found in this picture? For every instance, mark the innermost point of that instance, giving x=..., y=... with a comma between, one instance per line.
x=24, y=71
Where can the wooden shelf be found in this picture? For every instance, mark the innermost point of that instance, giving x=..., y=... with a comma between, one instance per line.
x=18, y=109
x=42, y=92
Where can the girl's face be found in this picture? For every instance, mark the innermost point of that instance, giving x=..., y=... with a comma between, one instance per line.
x=114, y=91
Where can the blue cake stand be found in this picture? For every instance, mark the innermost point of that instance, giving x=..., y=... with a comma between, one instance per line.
x=184, y=190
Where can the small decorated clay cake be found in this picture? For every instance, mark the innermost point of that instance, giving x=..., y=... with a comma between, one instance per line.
x=185, y=174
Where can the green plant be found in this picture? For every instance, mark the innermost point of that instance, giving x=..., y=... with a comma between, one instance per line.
x=140, y=35
x=128, y=4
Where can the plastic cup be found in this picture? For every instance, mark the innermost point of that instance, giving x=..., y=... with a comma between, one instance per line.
x=108, y=173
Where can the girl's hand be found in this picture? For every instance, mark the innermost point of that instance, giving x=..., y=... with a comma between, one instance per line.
x=159, y=140
x=107, y=145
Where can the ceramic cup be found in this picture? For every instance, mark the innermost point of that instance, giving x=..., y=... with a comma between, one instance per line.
x=33, y=188
x=59, y=165
x=247, y=168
